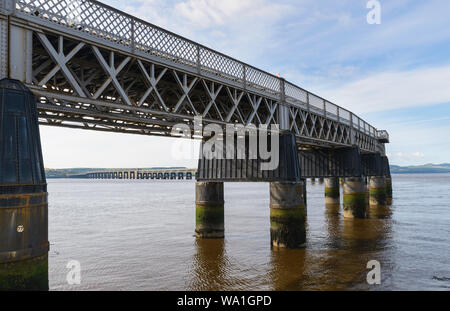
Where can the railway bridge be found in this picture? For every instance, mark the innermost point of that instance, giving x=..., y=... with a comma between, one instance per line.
x=82, y=64
x=148, y=174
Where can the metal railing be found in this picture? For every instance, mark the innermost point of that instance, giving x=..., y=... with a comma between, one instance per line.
x=382, y=135
x=105, y=23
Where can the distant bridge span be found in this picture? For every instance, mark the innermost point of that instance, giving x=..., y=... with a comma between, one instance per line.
x=94, y=67
x=153, y=174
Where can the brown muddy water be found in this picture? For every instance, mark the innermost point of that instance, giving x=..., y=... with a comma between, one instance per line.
x=138, y=235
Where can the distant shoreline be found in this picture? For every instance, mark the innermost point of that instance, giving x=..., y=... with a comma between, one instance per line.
x=421, y=169
x=395, y=170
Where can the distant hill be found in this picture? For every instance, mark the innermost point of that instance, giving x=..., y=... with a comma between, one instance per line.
x=63, y=173
x=421, y=169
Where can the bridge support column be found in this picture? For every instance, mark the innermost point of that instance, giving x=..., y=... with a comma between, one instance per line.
x=23, y=192
x=209, y=214
x=287, y=215
x=332, y=195
x=388, y=182
x=377, y=191
x=305, y=193
x=21, y=46
x=366, y=189
x=354, y=197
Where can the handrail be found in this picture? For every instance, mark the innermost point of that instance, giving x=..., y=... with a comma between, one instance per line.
x=107, y=23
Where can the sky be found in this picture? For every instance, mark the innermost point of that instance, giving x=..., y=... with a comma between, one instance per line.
x=395, y=75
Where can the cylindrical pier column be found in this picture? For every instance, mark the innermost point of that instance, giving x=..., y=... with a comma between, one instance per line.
x=305, y=194
x=366, y=189
x=332, y=195
x=23, y=192
x=377, y=190
x=388, y=181
x=354, y=197
x=287, y=215
x=209, y=201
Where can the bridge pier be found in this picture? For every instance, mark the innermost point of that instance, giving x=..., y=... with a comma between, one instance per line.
x=332, y=195
x=366, y=189
x=305, y=193
x=23, y=192
x=388, y=182
x=209, y=210
x=354, y=197
x=287, y=215
x=287, y=192
x=377, y=191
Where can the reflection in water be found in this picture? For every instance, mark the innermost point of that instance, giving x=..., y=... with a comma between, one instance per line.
x=366, y=234
x=332, y=220
x=209, y=265
x=379, y=211
x=332, y=209
x=341, y=263
x=142, y=244
x=288, y=268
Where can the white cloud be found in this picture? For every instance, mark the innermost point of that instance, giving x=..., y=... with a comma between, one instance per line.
x=418, y=155
x=410, y=156
x=393, y=90
x=240, y=28
x=207, y=13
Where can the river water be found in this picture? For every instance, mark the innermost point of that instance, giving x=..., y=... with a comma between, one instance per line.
x=138, y=235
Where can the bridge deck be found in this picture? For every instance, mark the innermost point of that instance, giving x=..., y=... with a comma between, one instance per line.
x=97, y=68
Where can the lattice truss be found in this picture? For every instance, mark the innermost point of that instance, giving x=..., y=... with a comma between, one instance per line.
x=317, y=128
x=83, y=86
x=139, y=78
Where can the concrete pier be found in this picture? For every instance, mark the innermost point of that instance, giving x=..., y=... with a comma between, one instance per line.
x=354, y=197
x=388, y=181
x=332, y=195
x=209, y=201
x=24, y=242
x=366, y=189
x=287, y=215
x=377, y=191
x=305, y=194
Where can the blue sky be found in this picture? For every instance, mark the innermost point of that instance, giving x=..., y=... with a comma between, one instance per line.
x=396, y=75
